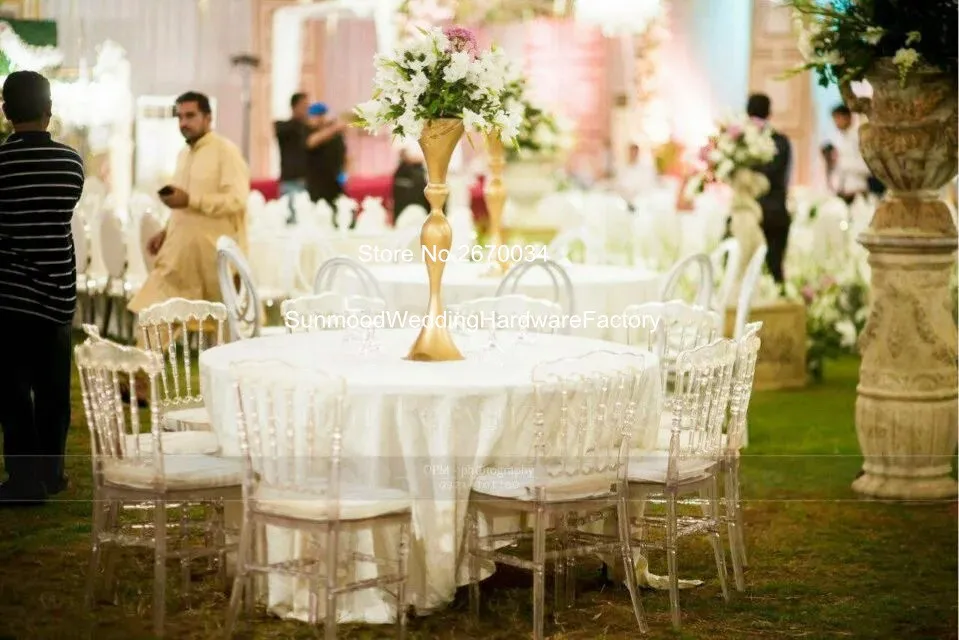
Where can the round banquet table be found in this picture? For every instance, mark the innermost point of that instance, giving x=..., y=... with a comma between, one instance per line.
x=420, y=427
x=600, y=290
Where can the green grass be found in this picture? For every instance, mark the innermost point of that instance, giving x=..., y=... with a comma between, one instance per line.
x=823, y=563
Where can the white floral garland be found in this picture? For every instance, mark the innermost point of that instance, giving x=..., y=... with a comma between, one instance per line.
x=26, y=57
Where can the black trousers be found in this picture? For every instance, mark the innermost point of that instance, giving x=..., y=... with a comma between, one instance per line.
x=776, y=236
x=35, y=399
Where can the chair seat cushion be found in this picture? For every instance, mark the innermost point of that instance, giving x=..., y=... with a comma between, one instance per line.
x=193, y=418
x=181, y=472
x=176, y=442
x=558, y=486
x=651, y=468
x=313, y=501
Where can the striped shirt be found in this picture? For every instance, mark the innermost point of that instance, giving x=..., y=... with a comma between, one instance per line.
x=40, y=184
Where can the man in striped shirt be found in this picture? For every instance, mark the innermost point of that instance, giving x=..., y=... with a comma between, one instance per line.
x=40, y=184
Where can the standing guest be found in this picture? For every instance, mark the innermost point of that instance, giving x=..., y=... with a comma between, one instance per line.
x=850, y=177
x=775, y=214
x=409, y=182
x=291, y=135
x=40, y=184
x=208, y=199
x=326, y=155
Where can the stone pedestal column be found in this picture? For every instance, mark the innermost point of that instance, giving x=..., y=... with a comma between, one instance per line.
x=906, y=410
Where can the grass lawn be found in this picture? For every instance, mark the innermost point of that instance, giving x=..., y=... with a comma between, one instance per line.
x=823, y=563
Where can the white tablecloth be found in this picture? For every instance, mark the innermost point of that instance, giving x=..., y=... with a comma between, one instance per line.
x=435, y=422
x=600, y=290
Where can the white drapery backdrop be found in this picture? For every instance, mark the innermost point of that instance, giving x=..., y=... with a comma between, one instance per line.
x=288, y=37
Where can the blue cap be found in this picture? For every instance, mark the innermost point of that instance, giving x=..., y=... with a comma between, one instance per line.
x=317, y=109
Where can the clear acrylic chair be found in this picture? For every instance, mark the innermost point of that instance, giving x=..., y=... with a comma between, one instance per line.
x=703, y=295
x=161, y=326
x=239, y=293
x=327, y=275
x=513, y=312
x=742, y=388
x=584, y=411
x=668, y=329
x=323, y=311
x=133, y=466
x=563, y=291
x=725, y=265
x=692, y=463
x=296, y=477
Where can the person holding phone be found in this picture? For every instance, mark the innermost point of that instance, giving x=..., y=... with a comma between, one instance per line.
x=207, y=198
x=326, y=155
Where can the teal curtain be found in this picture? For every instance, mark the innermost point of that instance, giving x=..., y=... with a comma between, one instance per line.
x=39, y=33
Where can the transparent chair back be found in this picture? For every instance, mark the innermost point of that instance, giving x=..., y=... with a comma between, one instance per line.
x=320, y=312
x=362, y=280
x=562, y=286
x=238, y=290
x=166, y=330
x=702, y=286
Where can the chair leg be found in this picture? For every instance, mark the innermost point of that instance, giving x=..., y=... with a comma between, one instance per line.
x=159, y=567
x=559, y=567
x=539, y=572
x=472, y=549
x=99, y=521
x=403, y=569
x=629, y=566
x=240, y=582
x=714, y=538
x=112, y=553
x=738, y=511
x=671, y=559
x=220, y=541
x=732, y=531
x=332, y=555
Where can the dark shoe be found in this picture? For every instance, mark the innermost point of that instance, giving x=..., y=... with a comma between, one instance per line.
x=57, y=486
x=19, y=496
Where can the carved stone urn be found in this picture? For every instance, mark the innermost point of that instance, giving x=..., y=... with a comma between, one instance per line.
x=906, y=410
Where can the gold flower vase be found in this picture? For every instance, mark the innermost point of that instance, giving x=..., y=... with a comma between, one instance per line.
x=495, y=196
x=439, y=139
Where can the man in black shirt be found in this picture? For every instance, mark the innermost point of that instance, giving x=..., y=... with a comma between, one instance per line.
x=775, y=214
x=40, y=184
x=326, y=155
x=291, y=135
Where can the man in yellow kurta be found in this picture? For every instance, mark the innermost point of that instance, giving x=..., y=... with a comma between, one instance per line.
x=208, y=199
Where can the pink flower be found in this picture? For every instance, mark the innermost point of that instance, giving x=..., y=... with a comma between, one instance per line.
x=807, y=293
x=734, y=131
x=461, y=39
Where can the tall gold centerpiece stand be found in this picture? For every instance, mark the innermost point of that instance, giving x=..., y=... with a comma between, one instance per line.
x=438, y=140
x=906, y=409
x=495, y=195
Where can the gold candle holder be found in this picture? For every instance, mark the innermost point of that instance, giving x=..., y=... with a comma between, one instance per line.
x=495, y=195
x=439, y=139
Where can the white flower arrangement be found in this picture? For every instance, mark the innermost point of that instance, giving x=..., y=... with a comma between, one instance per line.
x=740, y=144
x=439, y=74
x=841, y=40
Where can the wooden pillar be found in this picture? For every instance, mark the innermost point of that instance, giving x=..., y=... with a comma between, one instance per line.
x=774, y=51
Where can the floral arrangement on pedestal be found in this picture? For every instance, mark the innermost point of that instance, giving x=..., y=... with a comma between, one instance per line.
x=441, y=74
x=842, y=40
x=731, y=158
x=542, y=134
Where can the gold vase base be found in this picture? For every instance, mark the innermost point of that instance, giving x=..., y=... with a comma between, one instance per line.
x=434, y=344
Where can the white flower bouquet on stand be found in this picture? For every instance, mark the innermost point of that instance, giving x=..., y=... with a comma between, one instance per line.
x=731, y=158
x=432, y=88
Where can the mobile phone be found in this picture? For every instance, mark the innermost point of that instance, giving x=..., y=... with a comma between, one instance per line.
x=165, y=191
